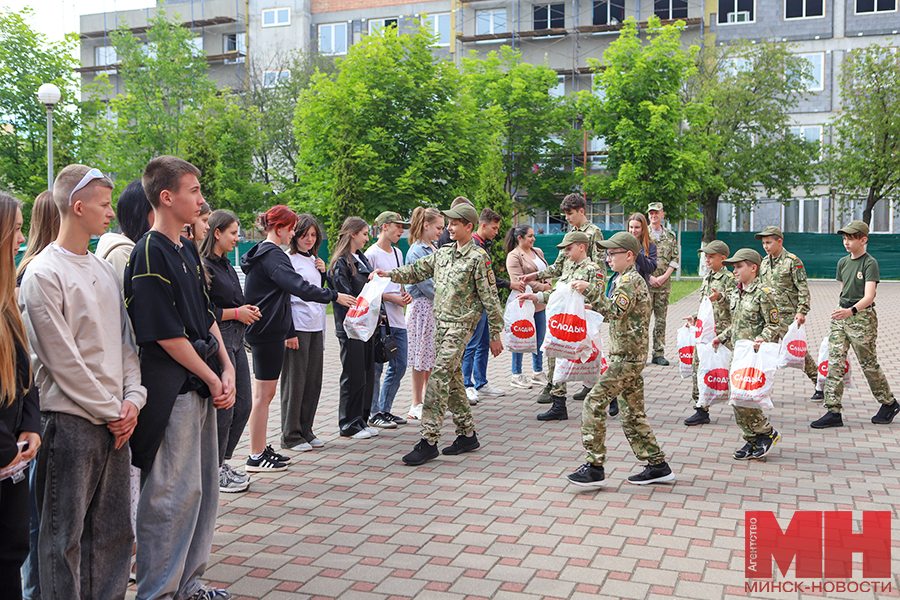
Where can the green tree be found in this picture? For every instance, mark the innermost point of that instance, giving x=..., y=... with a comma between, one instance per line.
x=492, y=194
x=865, y=152
x=347, y=196
x=737, y=108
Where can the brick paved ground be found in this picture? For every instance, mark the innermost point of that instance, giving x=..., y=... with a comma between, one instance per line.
x=352, y=521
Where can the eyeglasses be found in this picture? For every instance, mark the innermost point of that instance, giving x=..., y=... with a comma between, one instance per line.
x=88, y=177
x=609, y=254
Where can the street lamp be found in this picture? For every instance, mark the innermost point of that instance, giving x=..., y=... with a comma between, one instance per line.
x=49, y=95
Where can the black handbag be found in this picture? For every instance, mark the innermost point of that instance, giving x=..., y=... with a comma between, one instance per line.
x=386, y=346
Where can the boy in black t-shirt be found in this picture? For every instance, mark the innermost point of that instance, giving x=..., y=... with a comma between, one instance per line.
x=175, y=442
x=855, y=324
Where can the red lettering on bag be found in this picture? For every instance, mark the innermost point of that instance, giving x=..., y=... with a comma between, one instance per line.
x=361, y=308
x=603, y=365
x=748, y=378
x=797, y=347
x=569, y=328
x=823, y=368
x=523, y=329
x=686, y=354
x=595, y=352
x=699, y=325
x=716, y=379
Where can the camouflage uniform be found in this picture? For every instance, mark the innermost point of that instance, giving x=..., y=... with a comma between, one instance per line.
x=666, y=256
x=723, y=282
x=786, y=275
x=754, y=314
x=464, y=288
x=594, y=252
x=586, y=270
x=628, y=314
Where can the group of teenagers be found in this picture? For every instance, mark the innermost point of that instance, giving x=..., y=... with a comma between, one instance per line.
x=126, y=385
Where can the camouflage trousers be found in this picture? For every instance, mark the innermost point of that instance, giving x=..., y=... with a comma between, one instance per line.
x=810, y=367
x=695, y=393
x=445, y=388
x=659, y=297
x=622, y=377
x=752, y=421
x=556, y=389
x=861, y=332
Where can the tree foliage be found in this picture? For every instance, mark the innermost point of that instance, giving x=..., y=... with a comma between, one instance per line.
x=492, y=194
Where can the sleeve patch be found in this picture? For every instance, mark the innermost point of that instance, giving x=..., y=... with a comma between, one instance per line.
x=491, y=276
x=623, y=301
x=773, y=315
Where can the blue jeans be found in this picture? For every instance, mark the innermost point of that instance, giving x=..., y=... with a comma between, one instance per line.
x=475, y=358
x=383, y=398
x=537, y=358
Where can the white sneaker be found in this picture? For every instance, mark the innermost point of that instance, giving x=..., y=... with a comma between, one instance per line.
x=301, y=447
x=362, y=434
x=489, y=390
x=317, y=443
x=372, y=431
x=539, y=378
x=415, y=413
x=472, y=394
x=520, y=381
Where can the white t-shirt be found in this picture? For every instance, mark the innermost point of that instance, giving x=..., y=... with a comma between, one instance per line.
x=540, y=264
x=386, y=261
x=308, y=316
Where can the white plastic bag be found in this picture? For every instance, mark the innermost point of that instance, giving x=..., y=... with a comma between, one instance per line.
x=362, y=319
x=590, y=369
x=793, y=347
x=753, y=374
x=566, y=325
x=518, y=324
x=686, y=351
x=712, y=373
x=705, y=323
x=823, y=368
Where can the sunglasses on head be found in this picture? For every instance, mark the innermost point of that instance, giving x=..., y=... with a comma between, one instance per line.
x=88, y=177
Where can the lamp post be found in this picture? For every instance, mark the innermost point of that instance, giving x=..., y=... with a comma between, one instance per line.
x=48, y=94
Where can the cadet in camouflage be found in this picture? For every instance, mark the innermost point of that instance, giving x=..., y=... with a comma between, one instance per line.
x=573, y=206
x=660, y=280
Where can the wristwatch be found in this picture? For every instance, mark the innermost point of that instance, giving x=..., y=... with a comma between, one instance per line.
x=853, y=310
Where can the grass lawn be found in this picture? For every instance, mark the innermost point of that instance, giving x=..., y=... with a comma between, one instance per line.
x=680, y=289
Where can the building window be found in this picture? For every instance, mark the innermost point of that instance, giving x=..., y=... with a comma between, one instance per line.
x=235, y=43
x=596, y=90
x=197, y=43
x=333, y=38
x=559, y=90
x=378, y=25
x=273, y=78
x=609, y=12
x=816, y=71
x=875, y=6
x=736, y=64
x=670, y=9
x=809, y=133
x=549, y=16
x=598, y=161
x=105, y=56
x=276, y=17
x=802, y=9
x=736, y=11
x=439, y=25
x=490, y=21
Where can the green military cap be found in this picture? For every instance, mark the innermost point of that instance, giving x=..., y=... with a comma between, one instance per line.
x=716, y=247
x=748, y=254
x=390, y=217
x=855, y=226
x=463, y=211
x=654, y=206
x=574, y=237
x=623, y=240
x=770, y=230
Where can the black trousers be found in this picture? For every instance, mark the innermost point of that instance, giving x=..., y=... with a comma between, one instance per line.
x=357, y=384
x=15, y=518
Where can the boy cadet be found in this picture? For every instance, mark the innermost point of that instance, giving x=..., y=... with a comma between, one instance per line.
x=577, y=267
x=717, y=285
x=660, y=283
x=628, y=312
x=855, y=324
x=175, y=442
x=754, y=316
x=464, y=287
x=784, y=274
x=573, y=207
x=87, y=369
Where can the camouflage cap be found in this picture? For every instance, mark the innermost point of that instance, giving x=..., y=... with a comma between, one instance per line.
x=654, y=206
x=463, y=211
x=623, y=240
x=770, y=230
x=390, y=217
x=574, y=237
x=748, y=254
x=716, y=247
x=855, y=226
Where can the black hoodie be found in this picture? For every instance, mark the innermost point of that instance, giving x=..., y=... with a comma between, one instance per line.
x=271, y=281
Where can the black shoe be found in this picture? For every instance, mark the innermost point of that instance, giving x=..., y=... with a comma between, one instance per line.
x=700, y=417
x=461, y=444
x=659, y=360
x=764, y=443
x=544, y=397
x=831, y=419
x=818, y=395
x=744, y=453
x=660, y=473
x=382, y=421
x=421, y=454
x=580, y=396
x=277, y=457
x=264, y=464
x=886, y=413
x=395, y=418
x=614, y=407
x=557, y=412
x=588, y=475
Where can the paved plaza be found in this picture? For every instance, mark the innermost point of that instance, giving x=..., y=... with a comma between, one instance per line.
x=352, y=521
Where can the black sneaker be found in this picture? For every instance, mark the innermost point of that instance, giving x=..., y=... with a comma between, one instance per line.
x=660, y=473
x=421, y=454
x=614, y=407
x=277, y=457
x=886, y=413
x=395, y=419
x=462, y=444
x=831, y=419
x=580, y=396
x=818, y=395
x=764, y=443
x=382, y=422
x=265, y=464
x=588, y=475
x=745, y=452
x=700, y=417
